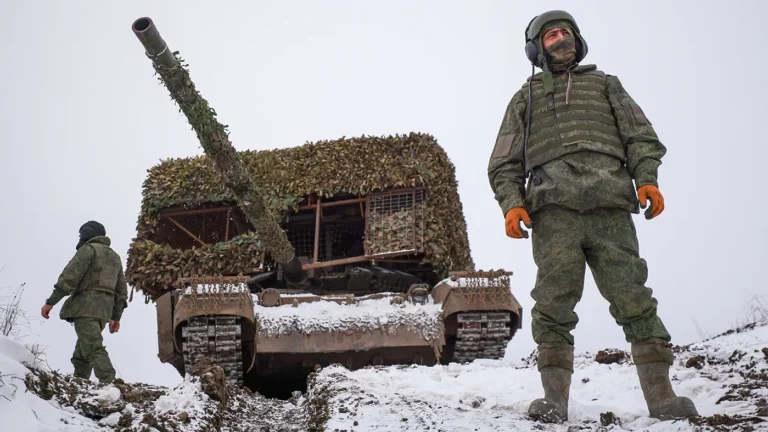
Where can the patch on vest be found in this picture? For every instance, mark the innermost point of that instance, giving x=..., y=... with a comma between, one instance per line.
x=503, y=146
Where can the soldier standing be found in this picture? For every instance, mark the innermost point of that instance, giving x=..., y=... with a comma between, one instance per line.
x=579, y=140
x=95, y=282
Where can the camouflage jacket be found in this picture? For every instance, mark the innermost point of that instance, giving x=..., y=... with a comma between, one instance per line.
x=582, y=179
x=94, y=281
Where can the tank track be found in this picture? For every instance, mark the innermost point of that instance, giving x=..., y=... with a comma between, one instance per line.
x=218, y=337
x=482, y=335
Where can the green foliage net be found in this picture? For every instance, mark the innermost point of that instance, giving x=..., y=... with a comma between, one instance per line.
x=284, y=177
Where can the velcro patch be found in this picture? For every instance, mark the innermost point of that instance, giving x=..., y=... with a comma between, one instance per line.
x=503, y=146
x=639, y=115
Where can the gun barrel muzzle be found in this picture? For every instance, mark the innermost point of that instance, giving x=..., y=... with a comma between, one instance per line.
x=154, y=45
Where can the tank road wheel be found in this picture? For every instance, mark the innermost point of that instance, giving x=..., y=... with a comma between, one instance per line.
x=482, y=335
x=218, y=337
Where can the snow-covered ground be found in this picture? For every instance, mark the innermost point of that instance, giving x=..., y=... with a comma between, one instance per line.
x=88, y=406
x=727, y=377
x=494, y=395
x=24, y=411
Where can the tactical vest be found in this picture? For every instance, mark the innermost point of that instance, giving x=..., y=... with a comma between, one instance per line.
x=104, y=270
x=577, y=118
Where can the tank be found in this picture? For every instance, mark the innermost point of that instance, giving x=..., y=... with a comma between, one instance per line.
x=277, y=262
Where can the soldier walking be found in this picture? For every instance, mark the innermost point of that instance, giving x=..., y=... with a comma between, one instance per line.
x=94, y=281
x=579, y=140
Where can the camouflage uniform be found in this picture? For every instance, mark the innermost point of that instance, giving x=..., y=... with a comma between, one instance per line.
x=580, y=141
x=581, y=210
x=95, y=282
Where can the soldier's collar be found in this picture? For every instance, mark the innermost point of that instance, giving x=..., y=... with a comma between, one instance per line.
x=577, y=70
x=99, y=240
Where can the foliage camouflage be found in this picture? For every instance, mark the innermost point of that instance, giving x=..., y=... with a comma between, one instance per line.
x=359, y=165
x=395, y=231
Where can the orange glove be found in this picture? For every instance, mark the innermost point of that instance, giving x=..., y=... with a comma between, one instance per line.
x=512, y=222
x=46, y=310
x=657, y=200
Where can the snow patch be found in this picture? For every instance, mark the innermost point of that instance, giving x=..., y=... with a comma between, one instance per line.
x=187, y=396
x=15, y=352
x=328, y=316
x=21, y=410
x=111, y=420
x=462, y=282
x=107, y=395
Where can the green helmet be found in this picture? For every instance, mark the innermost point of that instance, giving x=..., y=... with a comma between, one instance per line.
x=533, y=33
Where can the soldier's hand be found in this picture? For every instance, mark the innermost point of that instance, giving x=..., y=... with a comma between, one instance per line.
x=644, y=193
x=512, y=222
x=45, y=310
x=114, y=326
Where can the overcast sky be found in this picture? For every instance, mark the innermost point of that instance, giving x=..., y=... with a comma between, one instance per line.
x=82, y=119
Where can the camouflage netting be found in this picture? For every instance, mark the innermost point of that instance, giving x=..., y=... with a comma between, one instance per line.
x=387, y=232
x=285, y=176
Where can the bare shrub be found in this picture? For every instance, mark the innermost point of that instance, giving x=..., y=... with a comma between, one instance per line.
x=38, y=352
x=758, y=308
x=12, y=316
x=755, y=312
x=11, y=312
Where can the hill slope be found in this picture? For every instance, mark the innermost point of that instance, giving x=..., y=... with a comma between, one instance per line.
x=726, y=376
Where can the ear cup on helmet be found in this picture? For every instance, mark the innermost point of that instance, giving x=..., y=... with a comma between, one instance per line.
x=581, y=48
x=531, y=51
x=528, y=27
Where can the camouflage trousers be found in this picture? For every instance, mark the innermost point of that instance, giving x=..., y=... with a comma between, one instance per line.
x=90, y=353
x=565, y=241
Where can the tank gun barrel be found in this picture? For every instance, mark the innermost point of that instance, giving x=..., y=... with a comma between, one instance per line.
x=214, y=139
x=154, y=46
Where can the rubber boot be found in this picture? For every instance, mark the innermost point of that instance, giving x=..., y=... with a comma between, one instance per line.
x=652, y=359
x=555, y=363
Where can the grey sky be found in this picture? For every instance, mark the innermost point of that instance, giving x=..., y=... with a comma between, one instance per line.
x=83, y=118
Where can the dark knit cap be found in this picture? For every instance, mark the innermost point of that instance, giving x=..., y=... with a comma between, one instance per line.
x=90, y=230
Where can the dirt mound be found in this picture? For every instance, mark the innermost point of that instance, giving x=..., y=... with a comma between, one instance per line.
x=212, y=380
x=205, y=401
x=127, y=407
x=611, y=356
x=726, y=422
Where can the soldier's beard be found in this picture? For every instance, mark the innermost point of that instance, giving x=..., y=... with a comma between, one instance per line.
x=562, y=52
